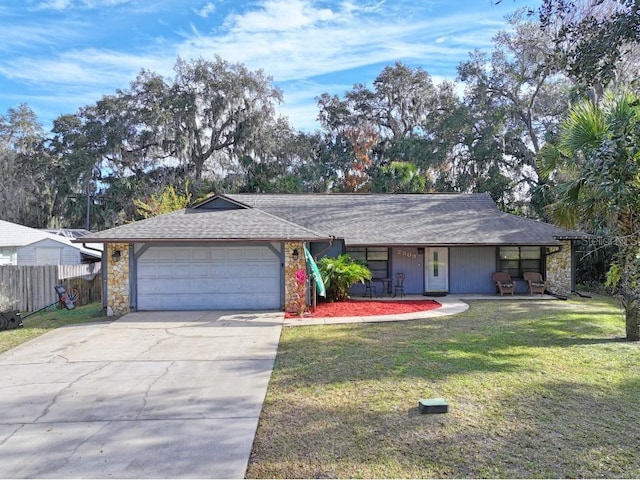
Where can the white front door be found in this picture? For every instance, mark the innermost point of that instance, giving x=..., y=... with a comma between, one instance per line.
x=436, y=269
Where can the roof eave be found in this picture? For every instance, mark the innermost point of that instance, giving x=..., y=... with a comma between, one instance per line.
x=451, y=244
x=205, y=240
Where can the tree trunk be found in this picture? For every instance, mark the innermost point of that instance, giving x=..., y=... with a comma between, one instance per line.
x=632, y=319
x=630, y=287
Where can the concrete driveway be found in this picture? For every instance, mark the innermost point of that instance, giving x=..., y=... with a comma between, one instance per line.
x=151, y=395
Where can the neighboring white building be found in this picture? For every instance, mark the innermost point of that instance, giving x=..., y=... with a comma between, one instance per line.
x=20, y=245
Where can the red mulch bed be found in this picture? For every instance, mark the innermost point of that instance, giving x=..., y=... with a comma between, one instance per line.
x=364, y=308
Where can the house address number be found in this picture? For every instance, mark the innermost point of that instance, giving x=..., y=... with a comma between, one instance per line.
x=404, y=253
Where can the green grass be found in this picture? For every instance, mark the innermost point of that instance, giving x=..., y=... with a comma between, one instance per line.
x=535, y=389
x=42, y=322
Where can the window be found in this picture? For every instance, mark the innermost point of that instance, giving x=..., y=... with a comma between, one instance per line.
x=435, y=264
x=7, y=256
x=517, y=260
x=376, y=259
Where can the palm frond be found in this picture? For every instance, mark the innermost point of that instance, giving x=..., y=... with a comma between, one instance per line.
x=548, y=160
x=621, y=109
x=583, y=128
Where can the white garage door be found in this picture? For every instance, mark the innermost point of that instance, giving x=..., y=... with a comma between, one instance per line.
x=202, y=278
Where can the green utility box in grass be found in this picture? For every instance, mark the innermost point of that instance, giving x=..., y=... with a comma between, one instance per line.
x=433, y=405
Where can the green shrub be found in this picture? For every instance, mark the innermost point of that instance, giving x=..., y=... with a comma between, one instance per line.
x=340, y=273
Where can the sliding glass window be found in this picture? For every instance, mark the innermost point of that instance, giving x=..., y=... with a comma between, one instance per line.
x=517, y=260
x=376, y=259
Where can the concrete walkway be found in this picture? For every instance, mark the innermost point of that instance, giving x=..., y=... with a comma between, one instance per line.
x=151, y=395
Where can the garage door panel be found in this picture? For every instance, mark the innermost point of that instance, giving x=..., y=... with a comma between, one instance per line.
x=204, y=302
x=255, y=255
x=192, y=278
x=219, y=270
x=200, y=271
x=172, y=271
x=267, y=270
x=146, y=271
x=198, y=254
x=166, y=255
x=234, y=254
x=250, y=271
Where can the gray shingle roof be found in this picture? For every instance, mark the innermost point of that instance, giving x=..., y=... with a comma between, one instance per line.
x=408, y=219
x=248, y=224
x=16, y=235
x=359, y=219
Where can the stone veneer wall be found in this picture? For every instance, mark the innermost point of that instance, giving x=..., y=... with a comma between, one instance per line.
x=118, y=279
x=559, y=270
x=293, y=295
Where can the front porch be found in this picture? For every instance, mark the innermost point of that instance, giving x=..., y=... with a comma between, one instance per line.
x=457, y=297
x=462, y=270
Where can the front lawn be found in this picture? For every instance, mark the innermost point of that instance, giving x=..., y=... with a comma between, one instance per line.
x=535, y=389
x=40, y=323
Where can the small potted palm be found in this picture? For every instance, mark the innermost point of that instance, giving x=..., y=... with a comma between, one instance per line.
x=340, y=273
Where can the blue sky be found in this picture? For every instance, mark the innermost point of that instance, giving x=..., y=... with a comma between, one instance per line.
x=59, y=55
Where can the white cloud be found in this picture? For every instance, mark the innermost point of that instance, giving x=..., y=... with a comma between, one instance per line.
x=54, y=5
x=278, y=16
x=17, y=37
x=301, y=116
x=313, y=43
x=84, y=68
x=205, y=10
x=60, y=5
x=300, y=43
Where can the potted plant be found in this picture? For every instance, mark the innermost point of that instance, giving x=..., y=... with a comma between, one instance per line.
x=340, y=273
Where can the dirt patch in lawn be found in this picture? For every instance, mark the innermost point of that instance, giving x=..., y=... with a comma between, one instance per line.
x=367, y=308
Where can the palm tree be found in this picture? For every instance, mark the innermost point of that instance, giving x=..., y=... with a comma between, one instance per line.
x=597, y=165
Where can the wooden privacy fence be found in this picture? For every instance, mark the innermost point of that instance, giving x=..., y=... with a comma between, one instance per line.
x=32, y=286
x=85, y=279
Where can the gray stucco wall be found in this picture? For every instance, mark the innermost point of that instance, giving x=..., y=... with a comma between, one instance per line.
x=336, y=248
x=66, y=254
x=410, y=261
x=470, y=269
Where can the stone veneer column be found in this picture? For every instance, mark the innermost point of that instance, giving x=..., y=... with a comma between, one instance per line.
x=559, y=270
x=118, y=278
x=291, y=287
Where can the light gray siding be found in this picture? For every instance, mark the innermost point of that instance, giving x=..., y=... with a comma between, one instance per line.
x=68, y=255
x=471, y=269
x=336, y=248
x=409, y=261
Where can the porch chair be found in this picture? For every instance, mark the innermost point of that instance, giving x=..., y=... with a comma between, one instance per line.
x=398, y=288
x=369, y=289
x=535, y=281
x=503, y=282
